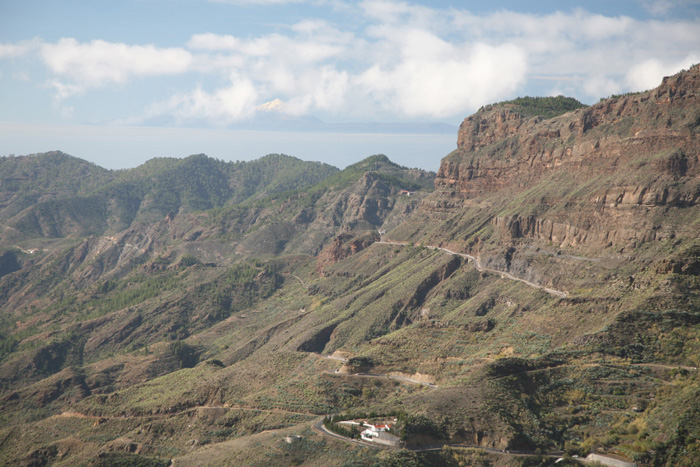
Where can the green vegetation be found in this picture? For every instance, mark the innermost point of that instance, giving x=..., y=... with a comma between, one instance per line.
x=545, y=107
x=116, y=295
x=8, y=344
x=420, y=425
x=28, y=176
x=379, y=165
x=186, y=355
x=277, y=173
x=352, y=432
x=116, y=459
x=618, y=96
x=93, y=198
x=239, y=288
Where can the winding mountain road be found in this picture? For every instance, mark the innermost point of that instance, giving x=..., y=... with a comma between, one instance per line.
x=404, y=379
x=479, y=267
x=320, y=428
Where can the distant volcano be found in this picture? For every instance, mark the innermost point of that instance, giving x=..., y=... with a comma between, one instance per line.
x=273, y=112
x=272, y=106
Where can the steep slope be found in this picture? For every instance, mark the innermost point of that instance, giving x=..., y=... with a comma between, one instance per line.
x=600, y=181
x=370, y=195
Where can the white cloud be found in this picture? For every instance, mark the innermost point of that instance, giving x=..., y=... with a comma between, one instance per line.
x=417, y=62
x=663, y=7
x=657, y=7
x=211, y=41
x=433, y=78
x=326, y=90
x=221, y=107
x=649, y=73
x=270, y=46
x=406, y=14
x=100, y=63
x=392, y=60
x=301, y=67
x=63, y=90
x=598, y=51
x=19, y=49
x=599, y=28
x=66, y=113
x=11, y=50
x=312, y=26
x=601, y=85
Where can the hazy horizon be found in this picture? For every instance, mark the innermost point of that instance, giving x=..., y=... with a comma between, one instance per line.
x=127, y=147
x=109, y=67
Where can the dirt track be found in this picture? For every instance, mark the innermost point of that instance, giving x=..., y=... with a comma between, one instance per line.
x=477, y=265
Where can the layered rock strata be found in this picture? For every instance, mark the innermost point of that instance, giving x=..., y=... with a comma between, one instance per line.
x=604, y=175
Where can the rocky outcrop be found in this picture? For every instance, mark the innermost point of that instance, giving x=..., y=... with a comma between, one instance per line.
x=307, y=222
x=342, y=247
x=598, y=176
x=686, y=263
x=498, y=145
x=366, y=204
x=512, y=228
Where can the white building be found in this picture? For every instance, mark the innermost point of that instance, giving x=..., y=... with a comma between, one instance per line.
x=379, y=434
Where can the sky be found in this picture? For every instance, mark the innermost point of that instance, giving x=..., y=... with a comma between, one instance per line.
x=120, y=82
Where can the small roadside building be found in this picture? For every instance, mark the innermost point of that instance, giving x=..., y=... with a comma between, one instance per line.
x=379, y=434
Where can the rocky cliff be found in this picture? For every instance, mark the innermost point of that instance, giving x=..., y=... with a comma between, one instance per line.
x=605, y=175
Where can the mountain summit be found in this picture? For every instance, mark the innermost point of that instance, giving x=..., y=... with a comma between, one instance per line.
x=272, y=106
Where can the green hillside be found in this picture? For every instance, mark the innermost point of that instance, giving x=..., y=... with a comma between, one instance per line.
x=45, y=189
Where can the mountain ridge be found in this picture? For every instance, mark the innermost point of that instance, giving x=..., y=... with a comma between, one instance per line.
x=200, y=335
x=153, y=190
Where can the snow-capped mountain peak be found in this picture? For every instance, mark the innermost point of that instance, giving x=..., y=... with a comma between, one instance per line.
x=272, y=106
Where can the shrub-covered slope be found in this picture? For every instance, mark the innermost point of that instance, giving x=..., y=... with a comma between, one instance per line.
x=54, y=195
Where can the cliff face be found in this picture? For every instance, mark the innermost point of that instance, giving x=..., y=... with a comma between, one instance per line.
x=599, y=176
